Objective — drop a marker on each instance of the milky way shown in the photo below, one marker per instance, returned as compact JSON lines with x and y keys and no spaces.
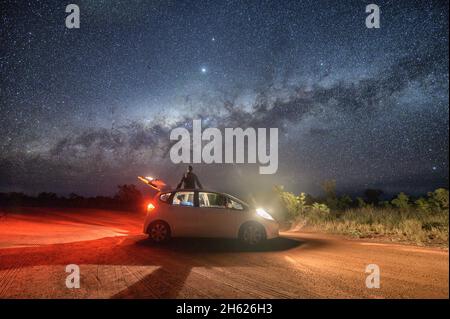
{"x":83,"y":110}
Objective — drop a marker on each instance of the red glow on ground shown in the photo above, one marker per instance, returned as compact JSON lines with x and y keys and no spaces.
{"x":39,"y":226}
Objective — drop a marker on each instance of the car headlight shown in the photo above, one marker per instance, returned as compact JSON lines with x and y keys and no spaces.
{"x":262,"y":213}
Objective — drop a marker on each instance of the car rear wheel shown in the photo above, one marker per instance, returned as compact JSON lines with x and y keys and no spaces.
{"x":252,"y":234}
{"x":159,"y":232}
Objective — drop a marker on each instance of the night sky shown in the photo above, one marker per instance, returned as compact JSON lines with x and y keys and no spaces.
{"x":82,"y":110}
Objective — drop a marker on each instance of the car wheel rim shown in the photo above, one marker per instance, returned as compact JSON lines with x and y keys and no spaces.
{"x":252,"y":235}
{"x":158,"y":232}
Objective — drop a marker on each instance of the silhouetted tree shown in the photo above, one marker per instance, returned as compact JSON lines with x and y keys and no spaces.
{"x":128,"y":194}
{"x":373,"y":196}
{"x":73,"y":196}
{"x":329,"y":187}
{"x":344,"y":202}
{"x":44,"y":196}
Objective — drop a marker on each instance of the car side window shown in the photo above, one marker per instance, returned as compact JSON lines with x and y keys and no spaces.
{"x":183,"y":199}
{"x":214,"y":200}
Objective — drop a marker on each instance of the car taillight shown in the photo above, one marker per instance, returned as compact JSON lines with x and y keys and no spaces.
{"x":150,"y":207}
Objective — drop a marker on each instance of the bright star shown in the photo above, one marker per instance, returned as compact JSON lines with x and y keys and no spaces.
{"x":203,"y":70}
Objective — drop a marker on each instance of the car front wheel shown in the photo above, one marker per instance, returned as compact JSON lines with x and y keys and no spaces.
{"x":252,"y":234}
{"x":159,"y":232}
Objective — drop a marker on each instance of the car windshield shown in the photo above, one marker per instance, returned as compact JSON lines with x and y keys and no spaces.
{"x":237,"y":200}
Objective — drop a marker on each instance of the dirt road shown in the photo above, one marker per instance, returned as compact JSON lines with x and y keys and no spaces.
{"x":117,"y":261}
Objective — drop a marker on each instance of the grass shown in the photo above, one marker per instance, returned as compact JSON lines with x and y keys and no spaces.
{"x":407,"y":225}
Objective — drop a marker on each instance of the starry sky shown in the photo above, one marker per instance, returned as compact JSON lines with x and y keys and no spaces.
{"x":82,"y":110}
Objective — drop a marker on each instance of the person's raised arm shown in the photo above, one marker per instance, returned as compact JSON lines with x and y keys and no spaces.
{"x":198,"y":182}
{"x":181,"y":182}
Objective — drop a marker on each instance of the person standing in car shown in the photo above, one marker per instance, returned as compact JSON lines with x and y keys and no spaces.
{"x":189,"y":179}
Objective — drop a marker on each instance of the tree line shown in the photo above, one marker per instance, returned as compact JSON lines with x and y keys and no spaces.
{"x":127,"y":197}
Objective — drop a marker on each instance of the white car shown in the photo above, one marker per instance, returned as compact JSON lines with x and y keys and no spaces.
{"x":202,"y":213}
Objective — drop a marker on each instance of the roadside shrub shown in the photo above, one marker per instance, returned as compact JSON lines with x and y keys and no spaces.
{"x":344,"y":202}
{"x":423,"y":205}
{"x":385,"y":204}
{"x":360,"y":202}
{"x":412,"y":229}
{"x":425,"y":221}
{"x":401,"y":201}
{"x":320,"y":209}
{"x":289,"y":202}
{"x":439,"y":198}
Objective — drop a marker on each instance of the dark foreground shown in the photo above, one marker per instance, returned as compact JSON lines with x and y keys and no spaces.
{"x":117,"y":261}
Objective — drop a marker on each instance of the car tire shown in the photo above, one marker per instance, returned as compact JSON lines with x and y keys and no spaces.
{"x":252,"y":234}
{"x":159,"y":231}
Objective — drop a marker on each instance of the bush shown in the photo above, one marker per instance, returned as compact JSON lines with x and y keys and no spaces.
{"x":344,"y":202}
{"x":320,"y":209}
{"x":401,"y":201}
{"x":423,"y":205}
{"x":289,"y":202}
{"x":360,"y":202}
{"x":439,"y":198}
{"x":424,"y":222}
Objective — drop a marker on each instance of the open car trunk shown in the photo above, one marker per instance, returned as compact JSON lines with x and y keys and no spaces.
{"x":154,"y":183}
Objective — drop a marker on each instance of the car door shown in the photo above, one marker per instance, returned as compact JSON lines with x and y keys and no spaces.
{"x":217,"y":220}
{"x":184,"y":214}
